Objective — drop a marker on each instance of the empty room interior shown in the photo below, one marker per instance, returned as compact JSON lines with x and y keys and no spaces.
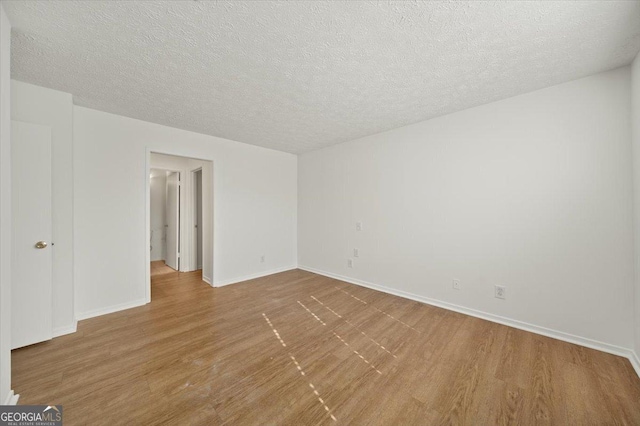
{"x":320,"y":212}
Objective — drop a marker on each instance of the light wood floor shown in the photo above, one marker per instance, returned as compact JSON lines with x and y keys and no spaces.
{"x":198,"y":355}
{"x":158,"y":267}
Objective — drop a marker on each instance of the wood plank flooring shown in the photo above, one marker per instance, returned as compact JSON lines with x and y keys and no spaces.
{"x":296,"y":348}
{"x":158,"y":267}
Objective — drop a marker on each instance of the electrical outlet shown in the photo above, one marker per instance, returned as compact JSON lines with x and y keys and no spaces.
{"x":262,"y":259}
{"x":456,"y":284}
{"x":501,"y":292}
{"x":350,"y":263}
{"x":358,"y":226}
{"x":356,"y":252}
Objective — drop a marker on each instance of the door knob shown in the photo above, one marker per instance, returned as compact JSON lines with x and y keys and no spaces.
{"x":41,"y":244}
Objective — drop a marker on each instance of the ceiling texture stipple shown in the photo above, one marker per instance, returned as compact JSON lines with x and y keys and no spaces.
{"x":296,"y":76}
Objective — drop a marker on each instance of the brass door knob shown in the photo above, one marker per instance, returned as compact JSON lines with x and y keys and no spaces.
{"x":41,"y":244}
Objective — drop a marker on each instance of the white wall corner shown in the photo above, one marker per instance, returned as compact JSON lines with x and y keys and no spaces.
{"x":223,"y":283}
{"x":207,"y":280}
{"x":111,"y":309}
{"x":11,"y":399}
{"x":635,"y":151}
{"x":68,"y":329}
{"x":635,"y":362}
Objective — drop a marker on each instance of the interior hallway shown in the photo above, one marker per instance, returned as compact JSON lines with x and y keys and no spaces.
{"x":201,"y":355}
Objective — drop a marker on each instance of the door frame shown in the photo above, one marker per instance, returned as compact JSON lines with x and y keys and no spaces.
{"x":147,"y":197}
{"x":192,"y":219}
{"x":180,"y":209}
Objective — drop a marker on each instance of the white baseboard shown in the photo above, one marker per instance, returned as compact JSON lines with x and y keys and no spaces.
{"x":11,"y":399}
{"x":207,"y":280}
{"x":61,"y":331}
{"x":111,"y":309}
{"x":555,"y":334}
{"x":253,"y":276}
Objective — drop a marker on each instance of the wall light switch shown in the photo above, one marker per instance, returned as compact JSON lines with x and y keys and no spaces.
{"x":358,"y":226}
{"x":356,"y":252}
{"x":350,"y":263}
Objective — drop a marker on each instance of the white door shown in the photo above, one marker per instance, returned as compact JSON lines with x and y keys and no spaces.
{"x":173,"y":221}
{"x":31,"y":293}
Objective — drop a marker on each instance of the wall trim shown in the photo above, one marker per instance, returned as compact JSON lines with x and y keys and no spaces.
{"x":554,"y":334}
{"x":254,"y":276}
{"x":68,"y":329}
{"x":207,"y":280}
{"x":111,"y":309}
{"x":12,"y":398}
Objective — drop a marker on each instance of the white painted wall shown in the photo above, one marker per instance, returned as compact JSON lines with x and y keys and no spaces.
{"x":533,"y":193}
{"x":254,"y":211}
{"x":635,"y":141}
{"x":158,"y":195}
{"x":35,"y":104}
{"x":5,"y":208}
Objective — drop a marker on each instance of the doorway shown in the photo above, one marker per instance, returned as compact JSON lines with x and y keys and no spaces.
{"x":164,"y":220}
{"x":180,"y":216}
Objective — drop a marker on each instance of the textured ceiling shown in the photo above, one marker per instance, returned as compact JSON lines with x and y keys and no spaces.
{"x":297,"y":76}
